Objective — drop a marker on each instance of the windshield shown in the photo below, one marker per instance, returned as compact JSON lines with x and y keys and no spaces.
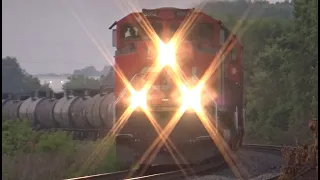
{"x":157,"y":27}
{"x":173,"y":29}
{"x":199,"y":31}
{"x":136,"y":32}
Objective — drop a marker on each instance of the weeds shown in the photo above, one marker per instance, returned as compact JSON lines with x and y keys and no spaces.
{"x":31,"y":155}
{"x":300,"y":157}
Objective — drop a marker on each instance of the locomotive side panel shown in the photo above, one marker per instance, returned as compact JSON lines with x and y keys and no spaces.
{"x":128,"y":65}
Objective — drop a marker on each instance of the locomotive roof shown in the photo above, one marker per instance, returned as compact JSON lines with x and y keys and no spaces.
{"x":168,"y":8}
{"x":174,"y":8}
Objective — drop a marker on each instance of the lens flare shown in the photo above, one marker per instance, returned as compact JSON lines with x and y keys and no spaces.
{"x":138,"y":99}
{"x":191,"y":98}
{"x":167,"y":54}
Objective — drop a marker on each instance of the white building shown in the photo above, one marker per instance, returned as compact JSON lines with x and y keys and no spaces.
{"x":55,"y":82}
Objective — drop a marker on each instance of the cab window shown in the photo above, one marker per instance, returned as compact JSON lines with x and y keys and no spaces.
{"x":205,"y":31}
{"x":136,"y":32}
{"x":201,"y":31}
{"x":173,"y":28}
{"x":130,"y":32}
{"x":158,"y":28}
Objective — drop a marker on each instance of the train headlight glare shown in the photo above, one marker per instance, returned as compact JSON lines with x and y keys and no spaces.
{"x":138,"y":99}
{"x":167,"y":54}
{"x":191,"y":98}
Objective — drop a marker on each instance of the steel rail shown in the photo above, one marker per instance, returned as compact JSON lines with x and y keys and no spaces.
{"x":274,"y":149}
{"x":110,"y":176}
{"x":175,"y":174}
{"x":183,"y":172}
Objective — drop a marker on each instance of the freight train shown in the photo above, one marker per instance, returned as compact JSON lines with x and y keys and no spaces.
{"x":76,"y":111}
{"x":178,"y":80}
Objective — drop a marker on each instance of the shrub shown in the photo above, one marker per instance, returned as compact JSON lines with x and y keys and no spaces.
{"x":59,"y":141}
{"x":16,"y":137}
{"x":28,"y":154}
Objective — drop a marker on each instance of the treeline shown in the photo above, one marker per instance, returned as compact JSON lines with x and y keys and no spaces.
{"x":86,"y":82}
{"x":17,"y":80}
{"x":257,"y":8}
{"x":280,"y":65}
{"x":92,"y":71}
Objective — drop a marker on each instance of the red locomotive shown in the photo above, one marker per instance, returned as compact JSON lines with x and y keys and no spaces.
{"x":209,"y":53}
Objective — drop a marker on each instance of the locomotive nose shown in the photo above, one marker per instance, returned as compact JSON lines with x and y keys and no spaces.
{"x":184,"y":52}
{"x":158,"y":98}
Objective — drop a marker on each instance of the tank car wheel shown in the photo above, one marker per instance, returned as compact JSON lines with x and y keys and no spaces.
{"x":94,"y":136}
{"x":83,"y":136}
{"x":74,"y":135}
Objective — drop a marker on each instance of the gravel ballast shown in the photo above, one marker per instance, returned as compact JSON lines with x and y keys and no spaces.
{"x":251,"y":164}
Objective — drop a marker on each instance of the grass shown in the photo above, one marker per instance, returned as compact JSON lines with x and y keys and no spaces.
{"x":31,"y":155}
{"x":55,"y":165}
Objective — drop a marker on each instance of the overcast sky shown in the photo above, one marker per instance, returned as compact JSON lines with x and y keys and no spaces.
{"x":46,"y":37}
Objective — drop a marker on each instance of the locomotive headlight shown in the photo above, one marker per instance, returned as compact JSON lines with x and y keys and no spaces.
{"x":166,"y":54}
{"x":138,"y":99}
{"x":191,"y":98}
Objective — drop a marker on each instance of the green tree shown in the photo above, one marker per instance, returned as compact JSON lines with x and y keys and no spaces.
{"x":16,"y":80}
{"x":280,"y":65}
{"x":256,"y":10}
{"x":81,"y":82}
{"x":285,"y":97}
{"x":87,"y":71}
{"x":108,"y":79}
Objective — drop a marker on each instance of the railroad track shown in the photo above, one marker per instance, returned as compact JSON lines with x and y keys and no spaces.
{"x":158,"y":173}
{"x":183,"y":173}
{"x":124,"y":174}
{"x":110,"y":176}
{"x":271,"y":149}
